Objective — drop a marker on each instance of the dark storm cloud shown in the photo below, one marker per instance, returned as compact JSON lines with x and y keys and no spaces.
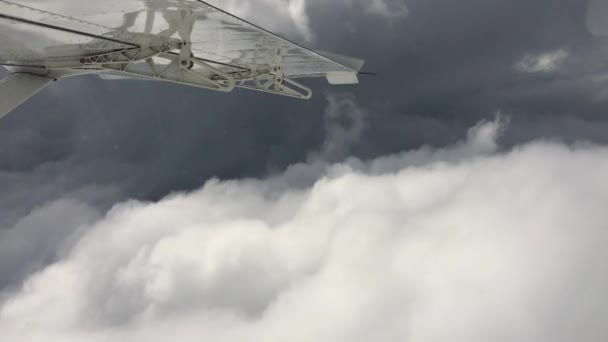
{"x":450,"y":65}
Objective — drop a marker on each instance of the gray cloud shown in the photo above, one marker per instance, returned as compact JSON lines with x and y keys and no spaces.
{"x":345,"y":122}
{"x":40,"y":238}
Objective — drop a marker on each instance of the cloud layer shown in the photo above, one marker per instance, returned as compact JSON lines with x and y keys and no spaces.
{"x":464,"y":243}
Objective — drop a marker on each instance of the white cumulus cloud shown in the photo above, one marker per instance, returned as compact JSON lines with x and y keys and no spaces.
{"x":275,"y":15}
{"x":546,"y":62}
{"x":292,"y":16}
{"x":458,"y":244}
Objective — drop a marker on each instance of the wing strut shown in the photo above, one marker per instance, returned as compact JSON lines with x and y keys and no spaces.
{"x":18,"y":87}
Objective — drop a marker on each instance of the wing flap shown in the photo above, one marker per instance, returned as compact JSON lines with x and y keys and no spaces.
{"x":342,"y":77}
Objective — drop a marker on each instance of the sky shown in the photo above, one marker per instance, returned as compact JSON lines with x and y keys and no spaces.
{"x":458,"y":194}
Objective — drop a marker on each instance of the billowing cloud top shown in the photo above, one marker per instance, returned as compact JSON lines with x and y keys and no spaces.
{"x":486,"y":245}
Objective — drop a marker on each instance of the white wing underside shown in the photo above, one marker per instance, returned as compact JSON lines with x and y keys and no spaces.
{"x":41,"y":32}
{"x":185,"y":41}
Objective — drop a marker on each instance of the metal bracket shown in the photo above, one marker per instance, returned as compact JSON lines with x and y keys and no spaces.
{"x":161,"y":64}
{"x":277,"y":85}
{"x":274,"y":82}
{"x":127,"y":56}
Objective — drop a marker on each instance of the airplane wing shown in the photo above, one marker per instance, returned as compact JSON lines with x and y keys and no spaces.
{"x":185,"y":41}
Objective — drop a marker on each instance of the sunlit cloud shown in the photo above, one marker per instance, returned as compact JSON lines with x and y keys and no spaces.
{"x":546,"y":62}
{"x":291,"y":16}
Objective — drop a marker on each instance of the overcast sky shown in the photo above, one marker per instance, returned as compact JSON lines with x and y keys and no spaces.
{"x":457,"y":195}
